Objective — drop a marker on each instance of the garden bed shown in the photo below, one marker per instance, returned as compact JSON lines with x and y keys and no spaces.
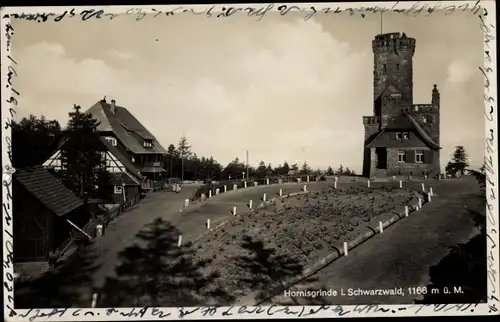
{"x":253,"y":249}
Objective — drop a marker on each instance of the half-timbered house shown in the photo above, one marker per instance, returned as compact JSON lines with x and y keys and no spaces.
{"x":124,"y":132}
{"x":125,"y":177}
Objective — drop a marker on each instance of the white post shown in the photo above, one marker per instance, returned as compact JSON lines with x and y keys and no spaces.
{"x":346,"y":250}
{"x":267,"y":180}
{"x":203,"y":197}
{"x":400,"y":184}
{"x":186,"y":203}
{"x":255,"y":183}
{"x":423,"y":187}
{"x":429,"y":197}
{"x":335,"y":184}
{"x":393,"y":177}
{"x":281,"y":192}
{"x":179,"y":242}
{"x":307,"y":178}
{"x":419,"y":203}
{"x":336,"y":178}
{"x":124,"y":194}
{"x":99,"y":230}
{"x":305,"y":187}
{"x":245,"y":184}
{"x":425,"y":177}
{"x":208,"y":223}
{"x":94,"y":300}
{"x":250,"y":204}
{"x":406,"y":211}
{"x":235,"y":186}
{"x":432,"y":192}
{"x":217,"y":191}
{"x":225,"y":188}
{"x":210,"y":194}
{"x":368,"y":183}
{"x":381,"y":227}
{"x":264,"y":198}
{"x":234,"y":210}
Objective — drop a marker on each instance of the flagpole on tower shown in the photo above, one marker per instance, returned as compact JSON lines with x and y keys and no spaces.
{"x":381,"y":18}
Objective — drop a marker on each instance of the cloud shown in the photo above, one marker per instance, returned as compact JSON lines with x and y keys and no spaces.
{"x":121,"y":55}
{"x":273,"y":90}
{"x":459,"y":72}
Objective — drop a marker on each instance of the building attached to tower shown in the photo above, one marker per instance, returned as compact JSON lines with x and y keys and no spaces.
{"x":401,"y":138}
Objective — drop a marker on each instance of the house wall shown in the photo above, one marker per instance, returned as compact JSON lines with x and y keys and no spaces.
{"x":130,"y":192}
{"x":411,"y":167}
{"x":119,"y":146}
{"x":31,"y":243}
{"x":389,"y":140}
{"x":366,"y":162}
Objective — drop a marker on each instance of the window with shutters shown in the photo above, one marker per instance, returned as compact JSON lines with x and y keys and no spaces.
{"x":419,"y":156}
{"x":401,"y":156}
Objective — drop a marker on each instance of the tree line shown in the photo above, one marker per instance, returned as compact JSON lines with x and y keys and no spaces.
{"x":35,"y":139}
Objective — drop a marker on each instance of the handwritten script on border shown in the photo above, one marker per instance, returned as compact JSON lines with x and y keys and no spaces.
{"x":12,"y":95}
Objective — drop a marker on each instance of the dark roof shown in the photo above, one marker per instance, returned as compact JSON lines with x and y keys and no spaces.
{"x":401,"y":122}
{"x":405,"y":121}
{"x":48,"y":189}
{"x":123,"y":178}
{"x":121,"y":123}
{"x":122,"y":158}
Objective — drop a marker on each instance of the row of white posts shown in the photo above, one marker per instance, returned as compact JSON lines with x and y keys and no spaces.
{"x":381,"y":225}
{"x":235,"y":187}
{"x":430,"y":194}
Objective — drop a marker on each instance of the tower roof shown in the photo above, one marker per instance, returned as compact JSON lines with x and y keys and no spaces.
{"x":405,"y":122}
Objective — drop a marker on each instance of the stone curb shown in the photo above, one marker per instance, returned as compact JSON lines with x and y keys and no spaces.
{"x":250,"y":299}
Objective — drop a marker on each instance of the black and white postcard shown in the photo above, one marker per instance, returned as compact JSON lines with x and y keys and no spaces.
{"x":250,"y":161}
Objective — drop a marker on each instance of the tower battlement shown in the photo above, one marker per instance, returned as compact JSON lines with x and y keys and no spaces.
{"x":371,"y":120}
{"x":394,"y":41}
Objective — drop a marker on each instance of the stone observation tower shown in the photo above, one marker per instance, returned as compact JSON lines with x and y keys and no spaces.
{"x":401,"y":138}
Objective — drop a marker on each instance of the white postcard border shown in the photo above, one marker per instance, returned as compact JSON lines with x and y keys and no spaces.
{"x":11,"y":95}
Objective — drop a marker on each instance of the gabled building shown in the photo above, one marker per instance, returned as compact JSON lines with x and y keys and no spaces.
{"x":401,"y":138}
{"x":124,"y":132}
{"x":125,"y":177}
{"x":45,"y":213}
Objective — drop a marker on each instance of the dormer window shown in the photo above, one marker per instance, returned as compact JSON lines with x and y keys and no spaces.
{"x":111,"y":140}
{"x":402,"y":135}
{"x":148,"y":143}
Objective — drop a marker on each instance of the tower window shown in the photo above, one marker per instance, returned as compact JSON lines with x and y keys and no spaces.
{"x":397,"y":67}
{"x":385,"y":68}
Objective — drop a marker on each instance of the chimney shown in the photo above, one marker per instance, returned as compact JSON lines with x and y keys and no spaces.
{"x":112,"y":107}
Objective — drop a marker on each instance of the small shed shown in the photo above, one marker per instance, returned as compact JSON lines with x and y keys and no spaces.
{"x":44,"y":214}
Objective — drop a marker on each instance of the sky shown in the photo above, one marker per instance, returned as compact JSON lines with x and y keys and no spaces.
{"x":281,"y":88}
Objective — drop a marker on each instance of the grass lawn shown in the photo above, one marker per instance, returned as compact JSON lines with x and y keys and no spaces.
{"x":256,"y":248}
